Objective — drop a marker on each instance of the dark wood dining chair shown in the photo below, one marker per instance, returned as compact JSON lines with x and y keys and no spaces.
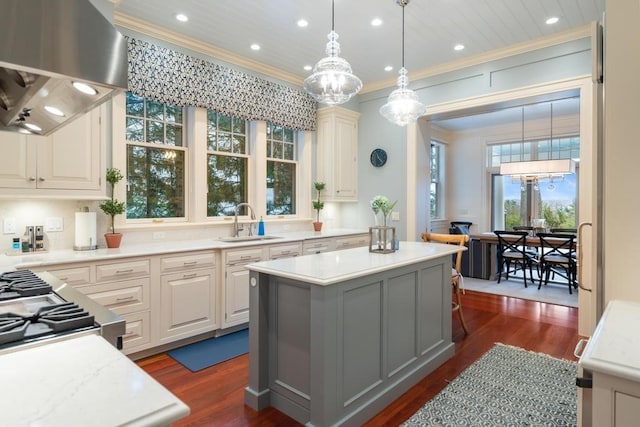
{"x":558,"y":256}
{"x":512,"y":250}
{"x":452,"y":239}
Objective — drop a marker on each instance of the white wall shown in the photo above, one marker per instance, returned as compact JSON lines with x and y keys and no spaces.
{"x":621,"y":204}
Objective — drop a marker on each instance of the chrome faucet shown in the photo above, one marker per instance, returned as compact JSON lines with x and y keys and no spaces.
{"x":237,"y":229}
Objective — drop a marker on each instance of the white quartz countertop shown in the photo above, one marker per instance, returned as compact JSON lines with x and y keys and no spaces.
{"x":334,"y":267}
{"x":614,"y":347}
{"x":82,"y":381}
{"x":37,"y":259}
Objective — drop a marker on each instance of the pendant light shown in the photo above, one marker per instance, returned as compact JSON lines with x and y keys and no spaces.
{"x":332,"y":81}
{"x":536,"y":170}
{"x":403,"y":106}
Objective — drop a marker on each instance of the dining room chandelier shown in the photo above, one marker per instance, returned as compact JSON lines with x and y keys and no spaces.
{"x":534,"y":171}
{"x":332,"y":81}
{"x":402,"y":106}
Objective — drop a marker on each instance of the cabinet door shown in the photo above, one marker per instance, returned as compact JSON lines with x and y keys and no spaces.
{"x":346,"y":150}
{"x":187,"y":302}
{"x":236,"y":301}
{"x":70,"y":158}
{"x":17,"y":163}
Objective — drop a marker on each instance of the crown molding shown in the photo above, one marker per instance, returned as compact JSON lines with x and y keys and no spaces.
{"x":172,"y":37}
{"x":516,"y":49}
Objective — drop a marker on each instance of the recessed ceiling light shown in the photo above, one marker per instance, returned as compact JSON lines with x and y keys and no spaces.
{"x":84,"y":88}
{"x":182,"y":17}
{"x":458,"y":47}
{"x":388,"y":68}
{"x":53,"y":110}
{"x":33,"y":127}
{"x":552,"y":20}
{"x":255,"y":46}
{"x":308,"y":67}
{"x":302,"y":23}
{"x":376,"y":22}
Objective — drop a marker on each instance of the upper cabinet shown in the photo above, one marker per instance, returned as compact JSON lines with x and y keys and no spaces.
{"x":337,"y":154}
{"x":66,"y":164}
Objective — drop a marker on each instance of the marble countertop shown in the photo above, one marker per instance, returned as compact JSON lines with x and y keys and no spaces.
{"x":614,"y":347}
{"x":38,"y":259}
{"x":335,"y":267}
{"x":83,"y":381}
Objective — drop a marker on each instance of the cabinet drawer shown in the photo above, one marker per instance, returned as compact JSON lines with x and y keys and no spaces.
{"x":189,"y":261}
{"x":122,"y":270}
{"x":123,"y":297}
{"x":352,"y":242}
{"x":137,"y":333}
{"x":317,"y":246}
{"x":283,"y":251}
{"x":243,"y":256}
{"x":76,"y":276}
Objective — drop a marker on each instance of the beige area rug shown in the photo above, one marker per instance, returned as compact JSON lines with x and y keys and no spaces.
{"x":552,"y":293}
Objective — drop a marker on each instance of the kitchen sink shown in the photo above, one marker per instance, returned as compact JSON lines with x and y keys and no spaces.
{"x":247,"y":238}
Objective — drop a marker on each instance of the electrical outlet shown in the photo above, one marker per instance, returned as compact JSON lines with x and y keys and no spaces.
{"x":157,"y":235}
{"x":395,"y":216}
{"x":53,"y":224}
{"x":9,"y":226}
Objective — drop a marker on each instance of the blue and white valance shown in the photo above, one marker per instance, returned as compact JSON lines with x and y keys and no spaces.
{"x":175,"y":78}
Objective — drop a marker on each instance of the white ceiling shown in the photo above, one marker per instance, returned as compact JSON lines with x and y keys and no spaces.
{"x":432,"y":28}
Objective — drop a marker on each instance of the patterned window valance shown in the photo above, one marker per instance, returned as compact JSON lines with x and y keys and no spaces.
{"x":176,"y":78}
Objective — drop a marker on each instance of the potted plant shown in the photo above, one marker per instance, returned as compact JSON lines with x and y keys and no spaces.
{"x":112,"y":208}
{"x":318,"y":205}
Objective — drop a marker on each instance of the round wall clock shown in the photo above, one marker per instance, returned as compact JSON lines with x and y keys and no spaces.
{"x":378,"y":157}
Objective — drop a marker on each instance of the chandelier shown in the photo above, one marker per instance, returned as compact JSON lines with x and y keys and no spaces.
{"x":535,"y":171}
{"x":332,"y":81}
{"x":402,"y":106}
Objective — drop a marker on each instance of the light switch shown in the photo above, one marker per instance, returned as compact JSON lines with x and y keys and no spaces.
{"x":9,"y":226}
{"x":395,"y":216}
{"x":53,"y":224}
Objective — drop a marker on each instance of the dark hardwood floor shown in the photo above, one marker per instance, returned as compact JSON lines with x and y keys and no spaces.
{"x":216,"y":394}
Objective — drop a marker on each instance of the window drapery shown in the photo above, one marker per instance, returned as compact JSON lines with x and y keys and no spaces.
{"x":172,"y":77}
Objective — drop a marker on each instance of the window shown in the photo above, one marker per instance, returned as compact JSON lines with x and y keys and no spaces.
{"x":227,"y":160}
{"x":155,"y":159}
{"x":520,"y":203}
{"x":436,"y":191}
{"x":282,"y":166}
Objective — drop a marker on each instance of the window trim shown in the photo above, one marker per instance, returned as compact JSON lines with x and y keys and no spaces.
{"x":441,"y":182}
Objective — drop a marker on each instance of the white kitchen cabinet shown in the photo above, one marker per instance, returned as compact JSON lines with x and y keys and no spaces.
{"x":610,"y":359}
{"x":337,"y":153}
{"x":236,"y":284}
{"x":316,"y":246}
{"x":187,"y":296}
{"x":287,"y":250}
{"x":356,"y":241}
{"x":68,"y":163}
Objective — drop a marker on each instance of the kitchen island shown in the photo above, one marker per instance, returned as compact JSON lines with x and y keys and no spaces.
{"x":337,"y":336}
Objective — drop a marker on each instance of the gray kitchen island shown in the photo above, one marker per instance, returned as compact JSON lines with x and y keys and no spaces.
{"x":337,"y":336}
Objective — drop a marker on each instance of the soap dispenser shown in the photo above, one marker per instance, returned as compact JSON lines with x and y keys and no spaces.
{"x":261,"y":227}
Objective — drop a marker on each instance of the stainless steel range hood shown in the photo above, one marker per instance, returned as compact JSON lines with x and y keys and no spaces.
{"x":47,"y":46}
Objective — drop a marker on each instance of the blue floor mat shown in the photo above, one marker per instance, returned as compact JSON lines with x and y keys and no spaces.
{"x":209,"y":352}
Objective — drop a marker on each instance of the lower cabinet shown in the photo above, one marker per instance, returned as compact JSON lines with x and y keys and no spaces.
{"x":188,"y":295}
{"x":235,"y":292}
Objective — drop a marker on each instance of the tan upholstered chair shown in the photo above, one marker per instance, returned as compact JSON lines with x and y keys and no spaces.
{"x":452,"y":239}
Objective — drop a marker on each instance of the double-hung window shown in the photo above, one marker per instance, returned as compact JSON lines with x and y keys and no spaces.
{"x":155,"y":159}
{"x":227,"y":160}
{"x":282,"y":167}
{"x":436,"y":191}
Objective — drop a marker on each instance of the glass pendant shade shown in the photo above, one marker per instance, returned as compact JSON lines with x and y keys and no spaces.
{"x":402,"y":106}
{"x":332,"y":81}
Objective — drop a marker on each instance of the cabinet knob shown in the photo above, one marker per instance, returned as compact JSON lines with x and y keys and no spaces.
{"x":41,"y":179}
{"x":32,"y":178}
